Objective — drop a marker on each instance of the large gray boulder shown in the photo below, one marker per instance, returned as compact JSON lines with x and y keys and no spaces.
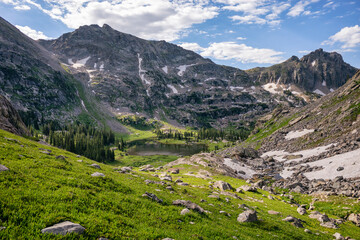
{"x":94,"y":165}
{"x":222,"y":185}
{"x":294,"y":221}
{"x":355,"y":218}
{"x":189,"y":205}
{"x":247,"y":216}
{"x":64,"y":228}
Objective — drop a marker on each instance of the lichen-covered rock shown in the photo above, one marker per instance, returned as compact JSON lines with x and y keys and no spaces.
{"x":64,"y":228}
{"x":189,"y":205}
{"x":247,"y":216}
{"x":222,"y":185}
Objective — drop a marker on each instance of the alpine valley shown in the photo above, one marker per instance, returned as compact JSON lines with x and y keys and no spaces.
{"x":104,"y":135}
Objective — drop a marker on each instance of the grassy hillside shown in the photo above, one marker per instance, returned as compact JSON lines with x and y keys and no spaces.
{"x":40,"y":190}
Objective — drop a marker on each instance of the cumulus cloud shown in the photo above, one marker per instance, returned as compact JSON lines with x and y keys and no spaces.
{"x":155,"y":19}
{"x":299,"y":8}
{"x":32,"y":33}
{"x":348,"y":37}
{"x":255,"y":11}
{"x":192,"y":46}
{"x":22,"y":7}
{"x":238,"y":52}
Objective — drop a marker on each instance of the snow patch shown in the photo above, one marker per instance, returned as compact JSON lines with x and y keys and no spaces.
{"x":232,"y":88}
{"x":102,"y":67}
{"x":323,"y":83}
{"x":182,"y":69}
{"x":350,"y":161}
{"x":82,"y":103}
{"x":253,"y":87}
{"x":70,"y":61}
{"x":142,"y":71}
{"x":80,"y":63}
{"x":319,"y":92}
{"x":313,"y":63}
{"x":239,"y":167}
{"x":147,"y":92}
{"x":173,"y":88}
{"x":297,"y":134}
{"x":208,"y":79}
{"x":165,"y":69}
{"x":270,"y":87}
{"x":281,"y":154}
{"x":331,"y":90}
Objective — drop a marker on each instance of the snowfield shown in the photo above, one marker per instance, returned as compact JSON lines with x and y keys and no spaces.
{"x":239,"y":167}
{"x":297,"y":134}
{"x":182,"y":69}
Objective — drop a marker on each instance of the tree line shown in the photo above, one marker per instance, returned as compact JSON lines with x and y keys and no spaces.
{"x":84,"y":140}
{"x":231,"y":135}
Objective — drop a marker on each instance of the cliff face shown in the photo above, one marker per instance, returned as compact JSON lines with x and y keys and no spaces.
{"x":317,"y":70}
{"x":32,"y":78}
{"x":10,"y":119}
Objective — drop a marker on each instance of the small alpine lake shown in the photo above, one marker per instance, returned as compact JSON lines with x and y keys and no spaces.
{"x":149,"y":148}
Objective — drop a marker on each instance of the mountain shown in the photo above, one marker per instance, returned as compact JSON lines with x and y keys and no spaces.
{"x":315,"y":148}
{"x":32,"y":78}
{"x":10,"y":119}
{"x":164,"y":81}
{"x":320,"y":72}
{"x":94,"y":74}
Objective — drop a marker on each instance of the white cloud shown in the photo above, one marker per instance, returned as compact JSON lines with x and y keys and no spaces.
{"x":255,"y":11}
{"x":304,"y":51}
{"x":238,"y":52}
{"x":241,"y":38}
{"x":299,"y":8}
{"x":22,"y":7}
{"x":155,"y":19}
{"x":348,"y":37}
{"x":192,"y":46}
{"x":32,"y":33}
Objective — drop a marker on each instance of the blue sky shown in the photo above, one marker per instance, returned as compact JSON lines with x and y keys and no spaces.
{"x":239,"y":33}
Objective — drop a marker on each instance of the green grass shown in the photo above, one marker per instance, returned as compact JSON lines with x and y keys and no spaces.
{"x":40,"y":190}
{"x":136,"y":161}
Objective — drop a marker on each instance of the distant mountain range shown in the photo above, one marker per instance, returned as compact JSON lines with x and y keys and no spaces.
{"x":96,"y":73}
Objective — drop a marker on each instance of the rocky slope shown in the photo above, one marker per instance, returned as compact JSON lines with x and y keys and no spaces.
{"x":32,"y":78}
{"x":10,"y":119}
{"x":314,"y":149}
{"x":164,"y":81}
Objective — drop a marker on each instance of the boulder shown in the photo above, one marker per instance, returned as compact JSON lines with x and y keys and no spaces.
{"x":152,"y":197}
{"x":329,"y":225}
{"x":247,"y":216}
{"x":94,"y":165}
{"x":247,"y":188}
{"x":338,"y":236}
{"x":97,"y":174}
{"x":222,"y":185}
{"x":147,"y":168}
{"x":320,"y":217}
{"x":355,"y":218}
{"x":174,"y":171}
{"x":185,"y":211}
{"x":64,"y":228}
{"x":301,"y":210}
{"x":166,"y":177}
{"x":189,"y":205}
{"x":3,"y":168}
{"x":294,"y":221}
